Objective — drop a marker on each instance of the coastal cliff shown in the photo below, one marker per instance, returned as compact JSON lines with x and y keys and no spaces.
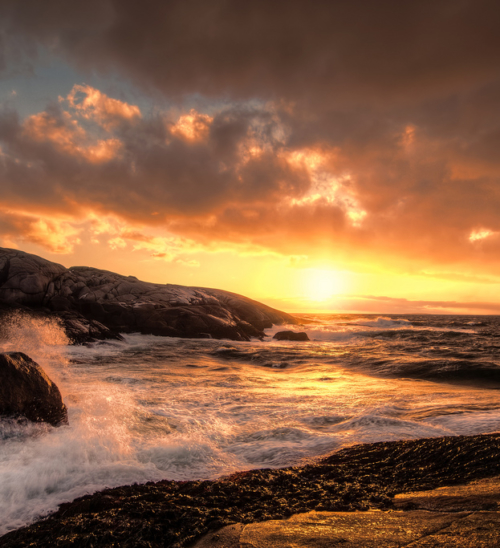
{"x":97,"y":304}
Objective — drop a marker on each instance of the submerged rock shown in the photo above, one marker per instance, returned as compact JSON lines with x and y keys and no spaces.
{"x":25,"y":389}
{"x":113,"y":303}
{"x":291,"y":336}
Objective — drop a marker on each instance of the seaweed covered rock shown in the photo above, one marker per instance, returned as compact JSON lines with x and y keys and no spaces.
{"x":25,"y":389}
{"x":291,"y":336}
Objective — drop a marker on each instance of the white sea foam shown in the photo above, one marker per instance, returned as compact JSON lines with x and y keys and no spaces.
{"x":383,"y":322}
{"x":43,"y":339}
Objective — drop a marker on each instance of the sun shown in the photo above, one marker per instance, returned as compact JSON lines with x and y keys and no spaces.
{"x":321,"y":284}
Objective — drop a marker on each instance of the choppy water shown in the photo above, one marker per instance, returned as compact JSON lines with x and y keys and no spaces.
{"x":151,"y":407}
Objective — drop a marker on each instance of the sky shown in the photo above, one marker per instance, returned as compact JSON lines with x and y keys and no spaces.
{"x":335,"y":156}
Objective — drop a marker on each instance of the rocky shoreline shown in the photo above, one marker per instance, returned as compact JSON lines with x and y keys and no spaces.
{"x":175,"y":514}
{"x":94,"y":304}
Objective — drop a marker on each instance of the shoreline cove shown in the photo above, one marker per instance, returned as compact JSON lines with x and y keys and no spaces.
{"x":175,"y":514}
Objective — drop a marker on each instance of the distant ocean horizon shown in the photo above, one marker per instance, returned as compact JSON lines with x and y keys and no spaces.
{"x":149,"y":408}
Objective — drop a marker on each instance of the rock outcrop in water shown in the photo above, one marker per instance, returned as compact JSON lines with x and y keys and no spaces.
{"x":291,"y":336}
{"x":96,"y":303}
{"x":26,"y":390}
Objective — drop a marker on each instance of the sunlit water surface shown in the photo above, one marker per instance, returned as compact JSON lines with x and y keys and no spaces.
{"x":151,"y":408}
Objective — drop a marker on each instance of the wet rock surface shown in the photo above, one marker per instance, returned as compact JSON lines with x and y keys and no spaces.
{"x":97,"y":304}
{"x":478,"y":495}
{"x":362,"y":478}
{"x":459,"y":515}
{"x":291,"y":336}
{"x":26,"y":390}
{"x":370,"y":529}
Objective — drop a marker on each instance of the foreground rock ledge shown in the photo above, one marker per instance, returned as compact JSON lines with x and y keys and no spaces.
{"x":26,"y":390}
{"x":94,"y":303}
{"x":371,"y":529}
{"x":361,"y":480}
{"x":463,"y":515}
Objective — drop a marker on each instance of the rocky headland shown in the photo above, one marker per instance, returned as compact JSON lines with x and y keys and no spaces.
{"x":97,"y":304}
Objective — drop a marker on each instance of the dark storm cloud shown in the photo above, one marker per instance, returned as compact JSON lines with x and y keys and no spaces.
{"x":292,"y":49}
{"x":400,"y":99}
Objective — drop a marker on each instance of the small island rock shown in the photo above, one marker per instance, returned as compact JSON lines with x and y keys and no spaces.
{"x":25,"y":389}
{"x":291,"y":336}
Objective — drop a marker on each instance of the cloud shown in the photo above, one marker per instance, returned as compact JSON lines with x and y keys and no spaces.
{"x":54,"y":235}
{"x":141,"y":170}
{"x":362,"y":131}
{"x":321,"y":52}
{"x":97,"y":106}
{"x":480,"y":234}
{"x":193,"y":126}
{"x":239,"y":178}
{"x":428,"y":306}
{"x":64,"y":133}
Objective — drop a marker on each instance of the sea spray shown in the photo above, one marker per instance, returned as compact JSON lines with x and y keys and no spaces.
{"x":42,"y":338}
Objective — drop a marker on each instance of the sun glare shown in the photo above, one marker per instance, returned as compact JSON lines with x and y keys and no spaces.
{"x":320,"y":285}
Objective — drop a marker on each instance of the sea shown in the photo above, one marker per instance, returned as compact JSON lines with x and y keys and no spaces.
{"x":149,"y":408}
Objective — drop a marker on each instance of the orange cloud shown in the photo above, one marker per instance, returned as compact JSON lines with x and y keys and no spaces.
{"x":367,"y":133}
{"x":63,"y":132}
{"x":118,"y":234}
{"x":103,"y":151}
{"x":480,"y":234}
{"x":70,"y":138}
{"x":193,"y":126}
{"x":379,"y":189}
{"x":57,"y":235}
{"x":92,"y":104}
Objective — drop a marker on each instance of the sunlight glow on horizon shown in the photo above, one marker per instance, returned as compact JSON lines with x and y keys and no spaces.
{"x":320,"y":284}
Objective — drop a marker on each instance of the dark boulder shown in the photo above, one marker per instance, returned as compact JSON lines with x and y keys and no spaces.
{"x":291,"y":336}
{"x":25,"y":389}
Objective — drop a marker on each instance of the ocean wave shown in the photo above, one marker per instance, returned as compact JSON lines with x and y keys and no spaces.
{"x":343,"y":331}
{"x":474,"y":373}
{"x":381,"y":322}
